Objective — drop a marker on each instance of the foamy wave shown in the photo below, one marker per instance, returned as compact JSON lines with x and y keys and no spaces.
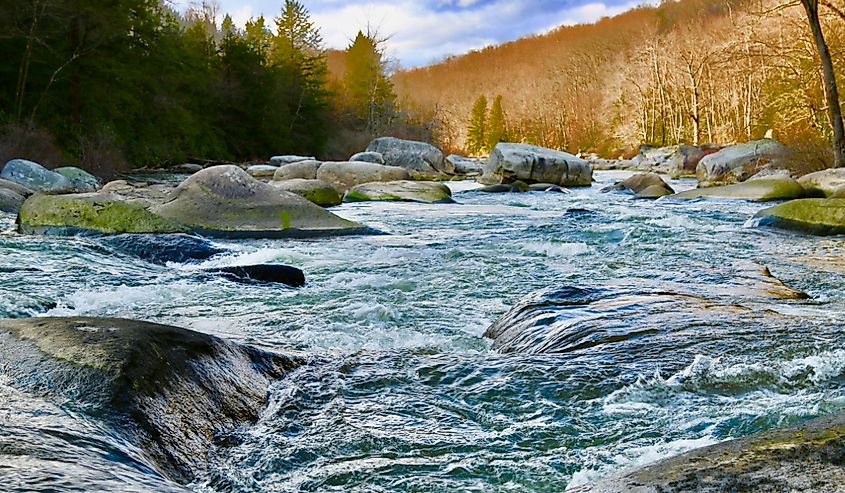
{"x":260,"y":256}
{"x":550,"y":249}
{"x":119,"y":299}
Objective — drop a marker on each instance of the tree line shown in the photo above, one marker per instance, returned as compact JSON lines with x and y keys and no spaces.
{"x":105,"y":83}
{"x":692,"y":71}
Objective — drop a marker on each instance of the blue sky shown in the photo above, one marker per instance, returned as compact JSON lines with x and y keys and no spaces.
{"x":422,"y":31}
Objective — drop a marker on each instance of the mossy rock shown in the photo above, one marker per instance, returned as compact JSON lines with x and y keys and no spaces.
{"x":317,"y":191}
{"x":81,"y":180}
{"x":815,"y":216}
{"x":759,"y":190}
{"x":401,"y":191}
{"x":94,"y":212}
{"x":823,"y":183}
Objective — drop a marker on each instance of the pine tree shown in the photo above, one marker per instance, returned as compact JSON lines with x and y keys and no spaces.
{"x":497,"y":125}
{"x":477,"y":133}
{"x":369,"y":91}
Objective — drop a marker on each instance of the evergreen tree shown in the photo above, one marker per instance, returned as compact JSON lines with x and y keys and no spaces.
{"x":496,"y":125}
{"x":369,"y":91}
{"x":477,"y":132}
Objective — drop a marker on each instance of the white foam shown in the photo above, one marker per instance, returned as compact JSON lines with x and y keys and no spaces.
{"x":552,"y":249}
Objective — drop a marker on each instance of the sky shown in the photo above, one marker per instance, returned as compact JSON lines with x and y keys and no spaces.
{"x":421,"y":32}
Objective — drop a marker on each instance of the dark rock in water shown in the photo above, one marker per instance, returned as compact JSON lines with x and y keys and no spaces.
{"x":284,"y":274}
{"x":166,"y":390}
{"x":807,"y":458}
{"x":515,"y":187}
{"x":160,"y":249}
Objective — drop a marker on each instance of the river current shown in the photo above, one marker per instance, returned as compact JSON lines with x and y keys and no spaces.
{"x":402,"y":392}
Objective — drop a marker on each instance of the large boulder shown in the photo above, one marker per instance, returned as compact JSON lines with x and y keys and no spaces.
{"x":163,"y":390}
{"x":287,"y":159}
{"x":532,"y":164}
{"x":317,"y":191}
{"x":346,"y":174}
{"x":97,"y":212}
{"x":401,"y":191}
{"x":303,"y":170}
{"x":368,"y":157}
{"x":643,"y":186}
{"x":81,"y":180}
{"x":760,"y":189}
{"x":262,"y":170}
{"x":685,"y":159}
{"x":35,"y":177}
{"x":419,"y":158}
{"x":10,"y":201}
{"x":814,"y":216}
{"x":805,"y":458}
{"x":224,"y":201}
{"x":739,"y":162}
{"x":823,"y":183}
{"x":465,"y":165}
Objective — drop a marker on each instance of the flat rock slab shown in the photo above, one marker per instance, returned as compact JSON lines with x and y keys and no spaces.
{"x":758,"y":190}
{"x":401,"y":191}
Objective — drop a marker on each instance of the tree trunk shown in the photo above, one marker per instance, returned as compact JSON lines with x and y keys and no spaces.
{"x":831,"y":91}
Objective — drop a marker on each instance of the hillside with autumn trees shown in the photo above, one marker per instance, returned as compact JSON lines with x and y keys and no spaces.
{"x":692,"y":71}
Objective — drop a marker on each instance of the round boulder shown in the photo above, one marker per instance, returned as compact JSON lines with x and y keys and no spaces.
{"x":739,"y":162}
{"x":419,"y":158}
{"x":317,"y":191}
{"x":532,"y":164}
{"x":262,"y":170}
{"x":823,"y":183}
{"x":81,"y":180}
{"x":346,"y":174}
{"x":643,"y":186}
{"x":304,"y":170}
{"x":10,"y":201}
{"x":401,"y":191}
{"x":35,"y":177}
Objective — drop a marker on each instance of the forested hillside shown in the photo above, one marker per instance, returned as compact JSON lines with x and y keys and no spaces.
{"x":691,"y":71}
{"x":118,"y":83}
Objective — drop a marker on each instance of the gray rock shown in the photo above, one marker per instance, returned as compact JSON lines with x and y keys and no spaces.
{"x":287,"y":159}
{"x":515,"y":187}
{"x":10,"y":201}
{"x":81,"y":180}
{"x":464,"y":165}
{"x":368,"y":157}
{"x":823,"y":183}
{"x":346,"y":174}
{"x":304,"y":170}
{"x":317,"y":191}
{"x":164,"y":390}
{"x":801,"y":459}
{"x":644,"y":186}
{"x":17,"y":188}
{"x":532,"y":164}
{"x":401,"y":191}
{"x":739,"y":162}
{"x":547,"y":187}
{"x":419,"y":158}
{"x":224,"y":201}
{"x":186,"y":168}
{"x":771,"y":187}
{"x":35,"y":177}
{"x":262,"y":170}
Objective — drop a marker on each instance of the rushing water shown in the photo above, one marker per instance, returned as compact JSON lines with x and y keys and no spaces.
{"x":403,"y":393}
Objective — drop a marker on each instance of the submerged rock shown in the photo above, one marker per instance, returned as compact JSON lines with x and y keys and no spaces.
{"x":401,"y":191}
{"x":224,"y":201}
{"x":419,"y":158}
{"x":814,"y":216}
{"x":35,"y":177}
{"x":165,"y":390}
{"x":81,"y":180}
{"x":90,"y":212}
{"x":368,"y":157}
{"x":515,"y":187}
{"x":532,"y":164}
{"x":283,"y":274}
{"x":739,"y":162}
{"x":305,"y":170}
{"x":164,"y":248}
{"x":773,"y":187}
{"x":643,"y":185}
{"x":823,"y":183}
{"x":317,"y":191}
{"x":806,"y":458}
{"x":345,"y":175}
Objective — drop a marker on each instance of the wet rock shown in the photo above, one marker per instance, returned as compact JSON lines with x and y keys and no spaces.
{"x":368,"y":157}
{"x":186,"y":168}
{"x":419,"y":158}
{"x":814,"y":216}
{"x":317,"y":191}
{"x":10,"y":201}
{"x":773,"y":187}
{"x":643,"y":185}
{"x":81,"y":181}
{"x":823,"y":183}
{"x":515,"y":187}
{"x":464,"y":165}
{"x":304,"y":170}
{"x":160,"y":249}
{"x":90,"y":212}
{"x":164,"y":390}
{"x":262,"y":170}
{"x":35,"y":177}
{"x":283,"y":274}
{"x":546,"y":187}
{"x":806,"y":458}
{"x":224,"y":201}
{"x":288,"y":159}
{"x":401,"y":191}
{"x":739,"y":162}
{"x":345,"y":175}
{"x":532,"y":164}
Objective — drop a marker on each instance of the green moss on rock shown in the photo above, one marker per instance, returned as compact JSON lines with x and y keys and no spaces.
{"x":816,"y":216}
{"x":760,"y":190}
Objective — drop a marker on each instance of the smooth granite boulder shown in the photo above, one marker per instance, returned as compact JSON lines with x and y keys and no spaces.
{"x":419,"y":158}
{"x":643,"y":186}
{"x":287,"y":159}
{"x":814,"y":216}
{"x":401,"y":191}
{"x":303,"y":170}
{"x":346,"y":174}
{"x":262,"y":170}
{"x":823,"y":183}
{"x":35,"y":177}
{"x":739,"y":162}
{"x":10,"y":201}
{"x":532,"y":164}
{"x":317,"y":191}
{"x":81,"y":180}
{"x":775,"y":187}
